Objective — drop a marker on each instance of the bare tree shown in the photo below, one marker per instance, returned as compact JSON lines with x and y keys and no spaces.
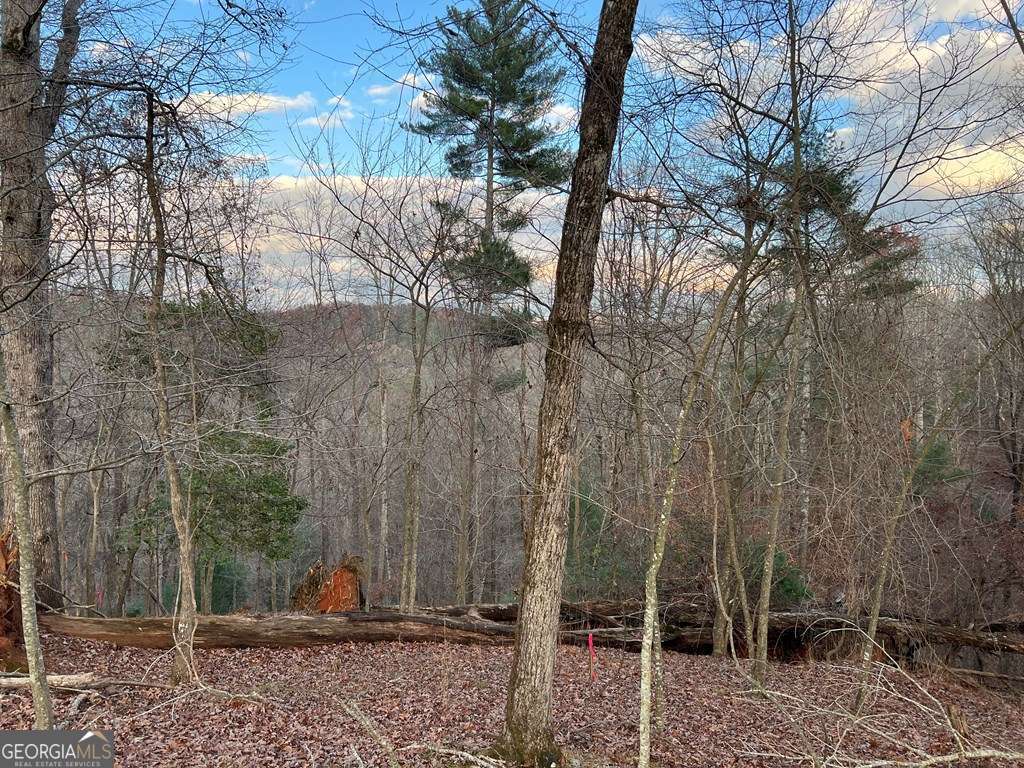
{"x":528,"y":734}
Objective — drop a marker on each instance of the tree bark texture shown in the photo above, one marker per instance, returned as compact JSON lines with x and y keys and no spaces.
{"x":30,"y":104}
{"x":528,"y":735}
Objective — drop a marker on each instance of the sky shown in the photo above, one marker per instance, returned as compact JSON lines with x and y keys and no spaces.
{"x":343,"y":70}
{"x":342,"y":67}
{"x":330,"y":82}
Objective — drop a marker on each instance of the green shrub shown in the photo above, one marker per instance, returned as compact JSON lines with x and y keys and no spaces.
{"x":935,"y":466}
{"x":789,"y":583}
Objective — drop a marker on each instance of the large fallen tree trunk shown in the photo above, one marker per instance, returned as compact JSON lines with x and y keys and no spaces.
{"x":907,"y":630}
{"x":284,"y":631}
{"x":684,"y":627}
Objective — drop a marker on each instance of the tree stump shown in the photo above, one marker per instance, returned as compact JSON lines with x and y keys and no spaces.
{"x":12,"y":642}
{"x":334,"y":592}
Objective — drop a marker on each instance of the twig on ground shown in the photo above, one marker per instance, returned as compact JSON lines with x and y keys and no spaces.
{"x":483,"y":762}
{"x":368,"y":725}
{"x":956,"y":757}
{"x":80,"y":682}
{"x":76,"y":706}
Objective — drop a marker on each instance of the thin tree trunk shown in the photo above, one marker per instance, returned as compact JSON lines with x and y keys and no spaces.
{"x":206,"y":593}
{"x":803,"y":437}
{"x":155,"y":597}
{"x":110,"y":566}
{"x":383,"y":565}
{"x":59,"y":534}
{"x":877,"y":592}
{"x":779,"y":484}
{"x":92,"y":548}
{"x":650,"y":634}
{"x":524,"y":432}
{"x":184,"y":669}
{"x":142,"y":499}
{"x":722,"y":583}
{"x":736,"y":562}
{"x":273,"y":586}
{"x":366,"y":532}
{"x":528,"y":736}
{"x":782,"y":452}
{"x":126,"y":577}
{"x":384,"y":534}
{"x":414,"y":441}
{"x":463,"y":546}
{"x":287,"y":582}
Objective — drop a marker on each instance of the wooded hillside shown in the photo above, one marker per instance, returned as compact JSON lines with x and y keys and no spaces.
{"x":695,"y":327}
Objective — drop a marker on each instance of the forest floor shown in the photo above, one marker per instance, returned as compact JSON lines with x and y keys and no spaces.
{"x":388,"y":704}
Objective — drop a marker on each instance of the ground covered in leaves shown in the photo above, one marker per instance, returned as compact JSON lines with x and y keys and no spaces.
{"x":390,"y":704}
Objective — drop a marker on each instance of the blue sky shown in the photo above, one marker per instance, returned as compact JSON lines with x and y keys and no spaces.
{"x":343,"y":67}
{"x":329,"y":82}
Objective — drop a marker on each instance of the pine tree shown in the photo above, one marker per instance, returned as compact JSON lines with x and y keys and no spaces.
{"x":495,"y":83}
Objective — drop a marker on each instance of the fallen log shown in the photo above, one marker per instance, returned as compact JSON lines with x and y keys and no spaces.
{"x":816,"y":624}
{"x":77,"y":682}
{"x":683,"y":628}
{"x":285,"y":631}
{"x":601,"y":613}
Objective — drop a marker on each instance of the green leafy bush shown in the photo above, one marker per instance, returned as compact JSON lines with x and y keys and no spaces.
{"x":789,"y":583}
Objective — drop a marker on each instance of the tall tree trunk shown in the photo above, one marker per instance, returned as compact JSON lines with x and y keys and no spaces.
{"x":723,"y":583}
{"x":126,"y":577}
{"x":184,"y":669}
{"x":382,"y":559}
{"x":528,"y":735}
{"x":383,"y":563}
{"x":287,"y":583}
{"x":524,"y":430}
{"x":803,"y":436}
{"x":779,"y":484}
{"x":650,"y":634}
{"x":800,"y":278}
{"x":92,"y":547}
{"x":110,"y":570}
{"x":366,"y":536}
{"x":414,"y":441}
{"x":206,"y":592}
{"x":891,"y":527}
{"x":141,"y":500}
{"x":63,"y":497}
{"x":32,"y":100}
{"x":464,"y":548}
{"x":26,"y":556}
{"x":273,"y":586}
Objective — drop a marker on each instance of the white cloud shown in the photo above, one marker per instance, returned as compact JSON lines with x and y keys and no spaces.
{"x":419,"y":102}
{"x":238,"y":105}
{"x":972,"y":169}
{"x":410,"y":80}
{"x":561,"y":117}
{"x":340,"y":112}
{"x":918,"y":92}
{"x":379,"y":91}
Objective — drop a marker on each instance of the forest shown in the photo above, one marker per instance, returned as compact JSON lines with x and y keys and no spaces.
{"x":504,"y":383}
